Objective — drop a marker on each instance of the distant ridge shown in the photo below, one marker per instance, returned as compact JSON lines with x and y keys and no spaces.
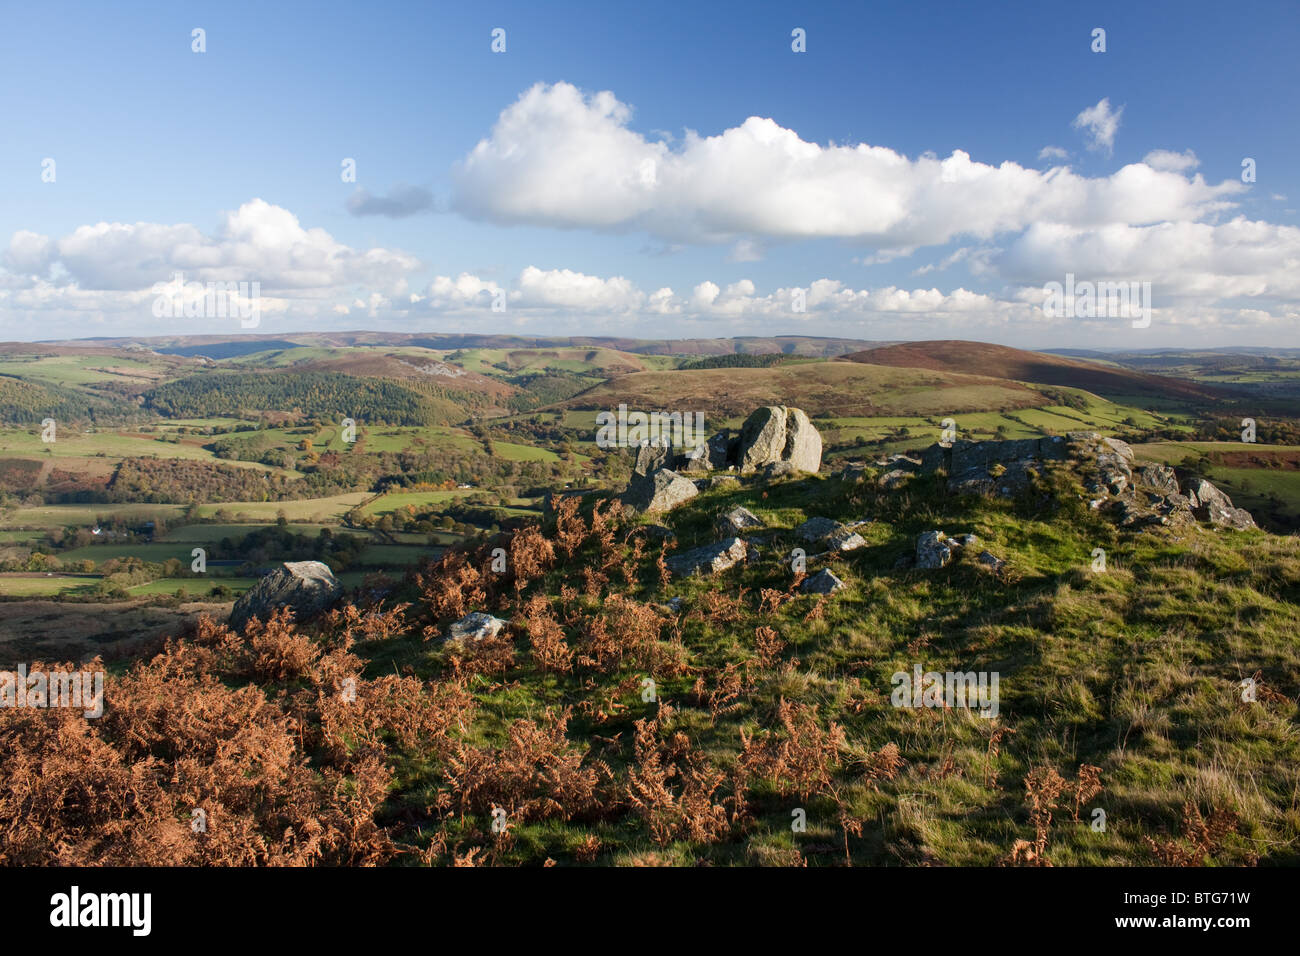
{"x":1038,"y":368}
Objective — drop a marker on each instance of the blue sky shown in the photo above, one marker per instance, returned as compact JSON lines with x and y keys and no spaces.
{"x":594,"y":214}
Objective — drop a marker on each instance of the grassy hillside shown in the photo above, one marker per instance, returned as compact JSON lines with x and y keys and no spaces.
{"x":1119,"y":691}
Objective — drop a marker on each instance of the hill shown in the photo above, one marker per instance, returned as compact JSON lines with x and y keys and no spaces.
{"x":1040,"y":368}
{"x":820,"y":388}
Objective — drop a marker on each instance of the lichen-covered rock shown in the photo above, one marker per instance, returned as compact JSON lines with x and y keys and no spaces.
{"x":1159,"y":479}
{"x":661,"y":490}
{"x":708,"y":559}
{"x":308,"y":587}
{"x":475,"y":626}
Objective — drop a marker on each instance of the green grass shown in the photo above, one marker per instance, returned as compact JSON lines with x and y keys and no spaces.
{"x":42,"y":586}
{"x":197,"y":587}
{"x":419,"y":500}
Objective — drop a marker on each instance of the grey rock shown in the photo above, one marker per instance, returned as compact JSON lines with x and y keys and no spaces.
{"x":1214,"y":506}
{"x":991,"y":561}
{"x":823,"y":582}
{"x":709,"y":559}
{"x":934,"y":550}
{"x":651,"y":457}
{"x":308,"y":587}
{"x":845,"y":539}
{"x":780,"y":469}
{"x":815,"y":529}
{"x":1158,"y":478}
{"x":658,"y":491}
{"x":777,"y":433}
{"x":475,"y":626}
{"x":738,"y":520}
{"x":893,"y":480}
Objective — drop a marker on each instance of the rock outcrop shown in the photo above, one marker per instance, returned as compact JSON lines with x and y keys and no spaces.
{"x":308,"y":587}
{"x":1136,"y":495}
{"x":775,"y":441}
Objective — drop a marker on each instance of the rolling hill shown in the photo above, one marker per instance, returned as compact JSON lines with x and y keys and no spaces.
{"x":820,"y":388}
{"x":1000,"y":361}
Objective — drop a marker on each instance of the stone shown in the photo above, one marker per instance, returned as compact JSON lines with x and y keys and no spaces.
{"x":893,"y":480}
{"x":709,"y":559}
{"x":651,"y":457}
{"x":738,"y":520}
{"x":845,"y":539}
{"x":1158,"y":478}
{"x":803,"y":442}
{"x":934,"y":550}
{"x":658,"y":491}
{"x":1212,"y":505}
{"x":308,"y":587}
{"x":991,"y":561}
{"x":475,"y":626}
{"x":823,"y":582}
{"x":815,"y":529}
{"x":1121,"y":448}
{"x":776,"y":433}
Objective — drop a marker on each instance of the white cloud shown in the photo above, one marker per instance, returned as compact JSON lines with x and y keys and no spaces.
{"x":1170,"y":161}
{"x":1100,"y":124}
{"x":567,"y":289}
{"x":558,"y":158}
{"x":1183,"y":260}
{"x":1053,"y":152}
{"x":745,"y":250}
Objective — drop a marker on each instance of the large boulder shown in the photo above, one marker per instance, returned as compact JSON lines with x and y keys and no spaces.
{"x":661,"y":490}
{"x":308,"y":587}
{"x":776,"y":433}
{"x":709,"y":559}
